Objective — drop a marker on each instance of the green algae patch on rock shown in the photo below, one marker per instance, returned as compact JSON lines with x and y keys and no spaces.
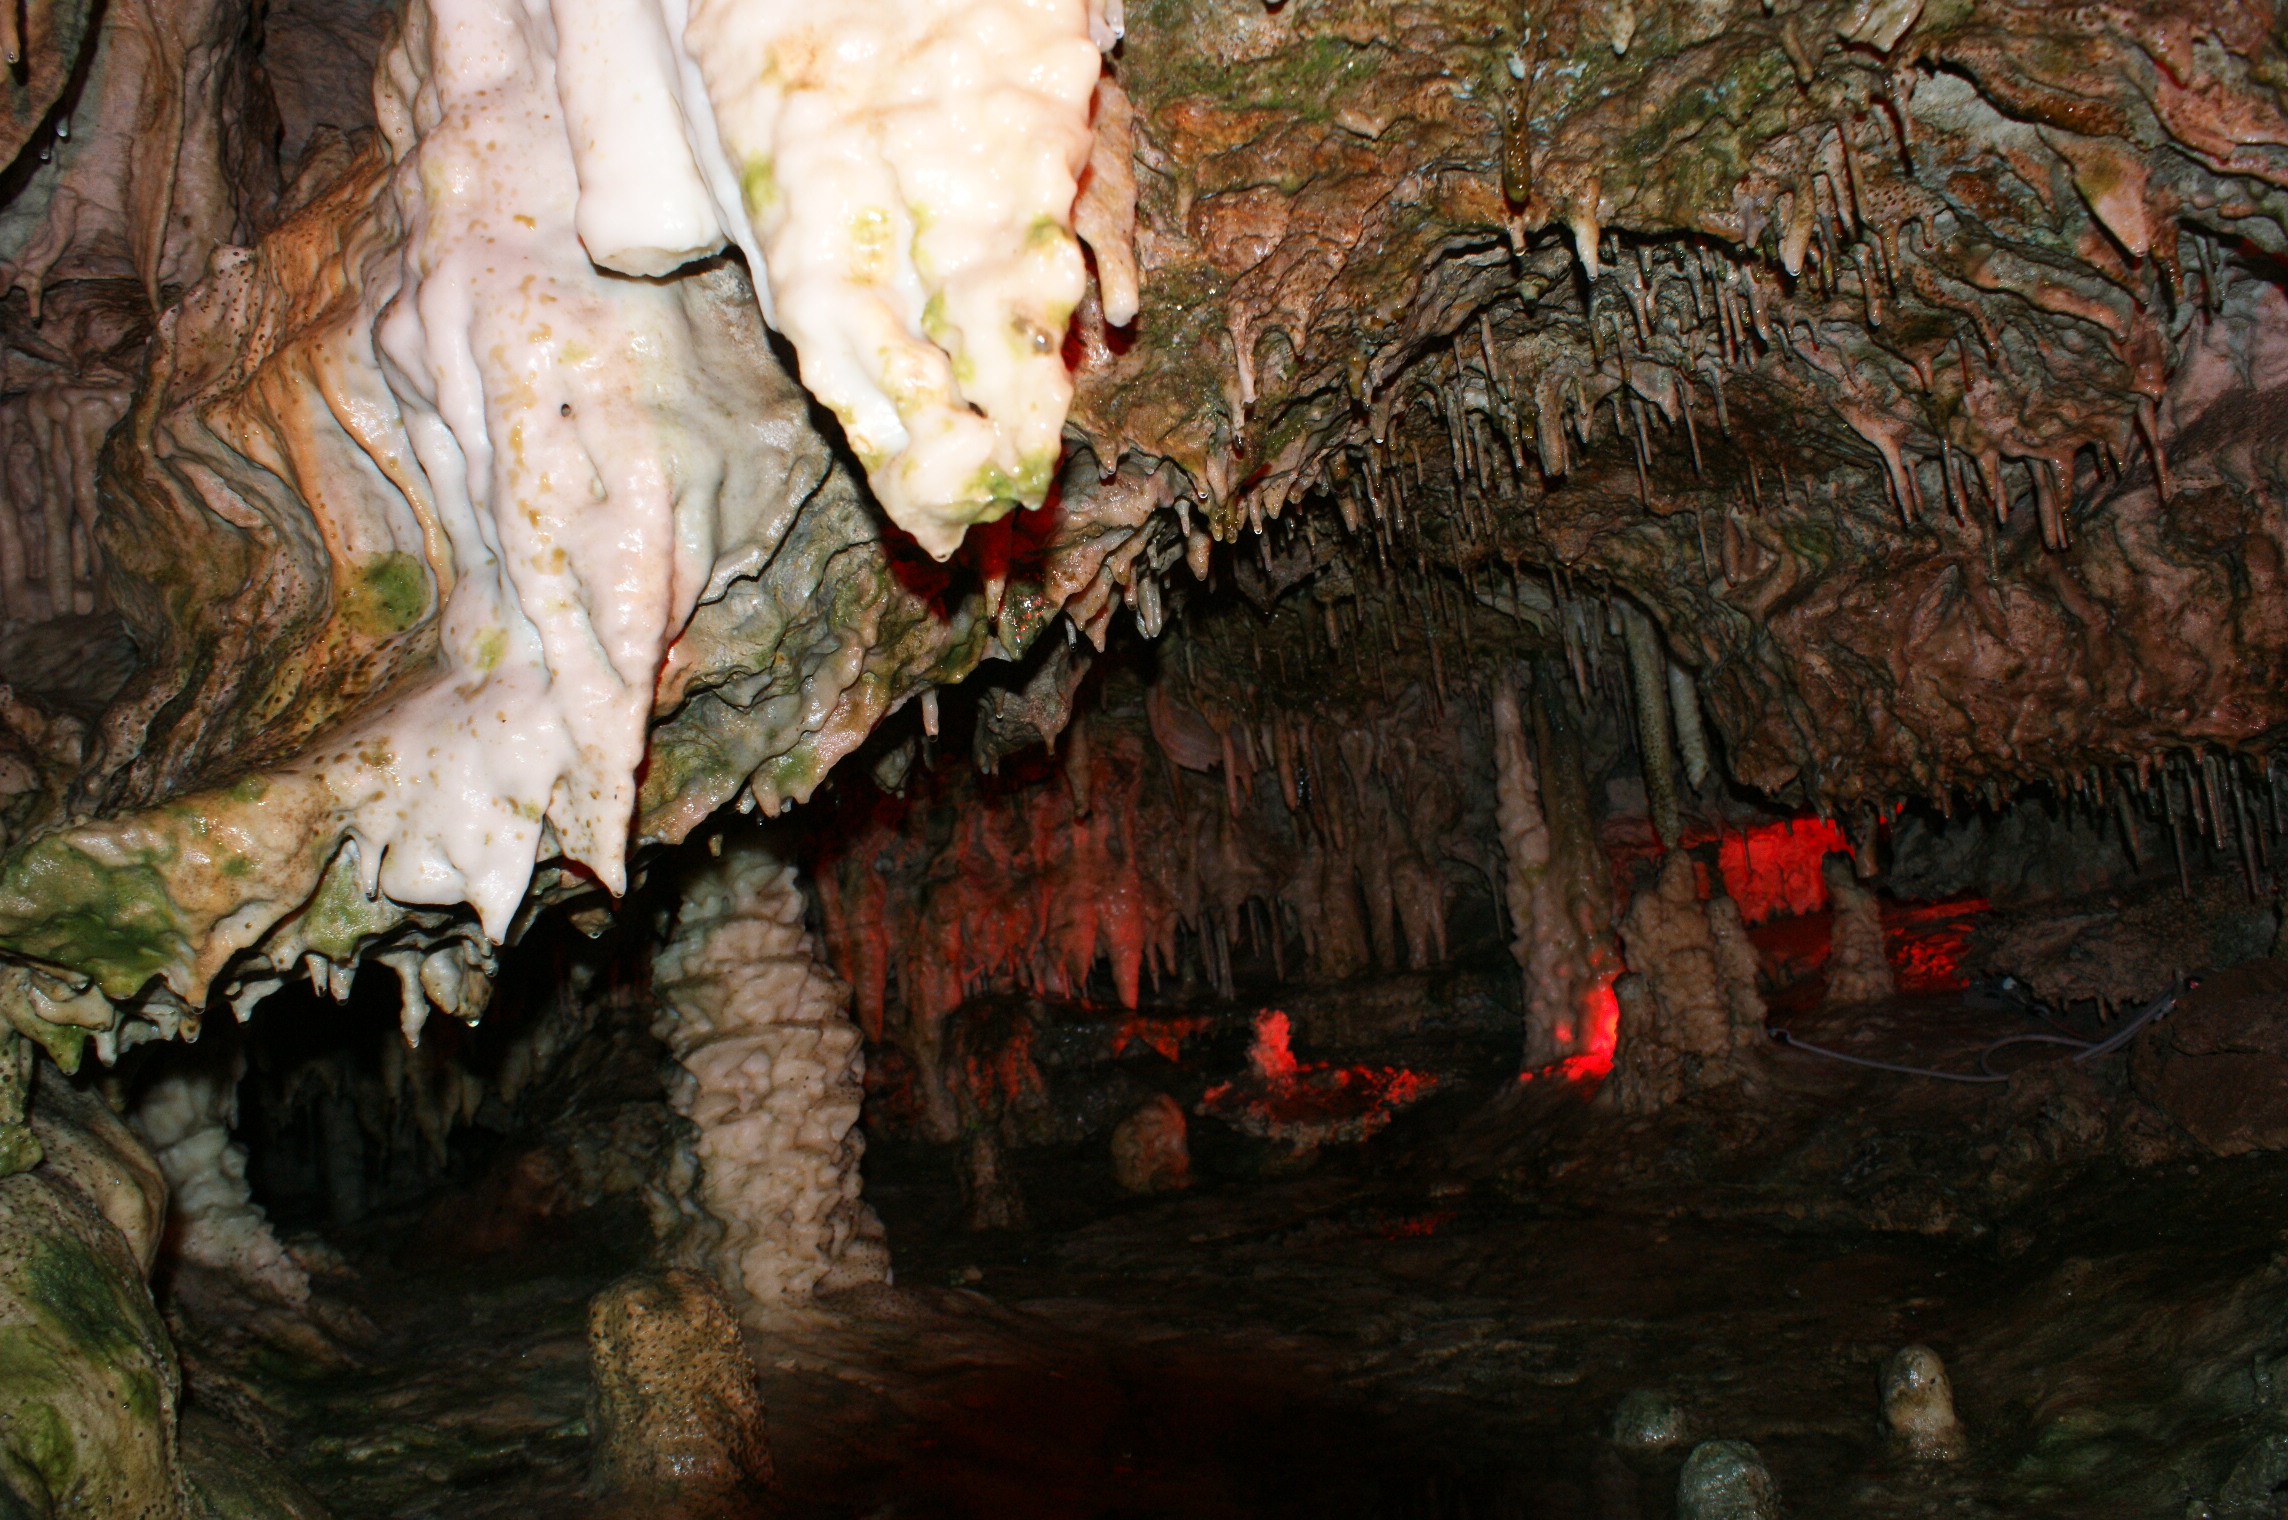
{"x":170,"y":893}
{"x":19,"y":1150}
{"x":386,"y":595}
{"x":88,"y":1382}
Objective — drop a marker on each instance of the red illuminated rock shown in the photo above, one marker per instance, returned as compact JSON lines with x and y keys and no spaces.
{"x":1857,"y":971}
{"x":1150,"y":1149}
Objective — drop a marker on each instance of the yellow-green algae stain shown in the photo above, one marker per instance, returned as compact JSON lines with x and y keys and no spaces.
{"x":386,"y":595}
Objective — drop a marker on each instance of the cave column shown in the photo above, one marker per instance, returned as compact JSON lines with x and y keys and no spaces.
{"x":771,"y":1081}
{"x":1556,"y":879}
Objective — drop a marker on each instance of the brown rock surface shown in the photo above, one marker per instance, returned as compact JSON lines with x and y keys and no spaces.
{"x":2218,"y":1063}
{"x":676,"y":1416}
{"x":1149,"y":1149}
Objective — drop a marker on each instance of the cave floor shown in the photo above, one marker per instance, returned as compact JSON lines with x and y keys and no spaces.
{"x":1437,"y":1323}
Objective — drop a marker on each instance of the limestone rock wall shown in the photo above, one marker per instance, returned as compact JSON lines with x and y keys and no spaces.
{"x":88,"y":1408}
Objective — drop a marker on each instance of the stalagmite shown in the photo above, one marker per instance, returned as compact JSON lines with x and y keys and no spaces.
{"x":1857,"y":971}
{"x":1553,"y":886}
{"x":1691,"y":737}
{"x":676,"y":1417}
{"x":1737,"y":968}
{"x":1695,"y":1006}
{"x":1150,"y":1153}
{"x":1726,"y":1480}
{"x":770,"y":1077}
{"x":1918,"y":1406}
{"x":991,"y":1198}
{"x":186,"y":1116}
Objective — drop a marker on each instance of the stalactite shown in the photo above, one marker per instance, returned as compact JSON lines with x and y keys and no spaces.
{"x":1691,"y":737}
{"x":1648,"y":671}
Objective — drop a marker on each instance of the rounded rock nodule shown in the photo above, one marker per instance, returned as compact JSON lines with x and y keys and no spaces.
{"x":1647,"y":1421}
{"x":1726,"y":1480}
{"x":1918,"y":1406}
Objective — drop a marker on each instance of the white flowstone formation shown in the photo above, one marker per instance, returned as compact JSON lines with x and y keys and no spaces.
{"x":906,"y":172}
{"x":771,"y":1066}
{"x":540,"y":462}
{"x":185,"y":1116}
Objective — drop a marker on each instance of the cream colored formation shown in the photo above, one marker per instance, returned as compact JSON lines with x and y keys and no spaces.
{"x":1554,"y":885}
{"x":1857,"y":970}
{"x":771,"y":1065}
{"x":186,"y":1117}
{"x":567,"y":445}
{"x":1689,"y":1009}
{"x":512,"y":446}
{"x":903,"y":175}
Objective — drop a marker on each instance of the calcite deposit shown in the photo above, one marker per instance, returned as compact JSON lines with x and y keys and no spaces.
{"x":185,"y":1117}
{"x":771,"y":1066}
{"x":646,"y":593}
{"x":1689,"y":1009}
{"x":1857,"y":969}
{"x":87,"y":1411}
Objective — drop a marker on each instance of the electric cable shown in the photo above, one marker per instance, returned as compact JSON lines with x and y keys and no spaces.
{"x":2084,"y":1050}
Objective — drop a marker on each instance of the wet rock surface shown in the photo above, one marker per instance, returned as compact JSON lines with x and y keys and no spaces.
{"x":1572,"y":478}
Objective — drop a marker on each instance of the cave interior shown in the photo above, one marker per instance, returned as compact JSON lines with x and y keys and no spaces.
{"x":1402,"y":758}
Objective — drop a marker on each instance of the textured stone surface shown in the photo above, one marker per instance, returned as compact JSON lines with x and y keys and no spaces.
{"x":2218,"y":1062}
{"x":1918,"y":1406}
{"x":770,"y":1079}
{"x":1149,"y":1150}
{"x":1903,"y":381}
{"x":676,"y":1416}
{"x":89,"y":1397}
{"x":1726,"y":1480}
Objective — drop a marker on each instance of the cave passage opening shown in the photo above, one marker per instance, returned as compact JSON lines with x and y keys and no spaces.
{"x":1220,"y":1178}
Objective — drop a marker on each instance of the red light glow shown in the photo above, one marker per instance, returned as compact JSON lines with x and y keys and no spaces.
{"x":1925,"y":943}
{"x":1601,"y":1018}
{"x":1421,"y":1226}
{"x":1310,"y":1103}
{"x":1272,"y":1056}
{"x":1166,"y":1036}
{"x":1774,"y":869}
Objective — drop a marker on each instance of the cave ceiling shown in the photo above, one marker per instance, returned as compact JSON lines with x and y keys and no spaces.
{"x":1918,"y":369}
